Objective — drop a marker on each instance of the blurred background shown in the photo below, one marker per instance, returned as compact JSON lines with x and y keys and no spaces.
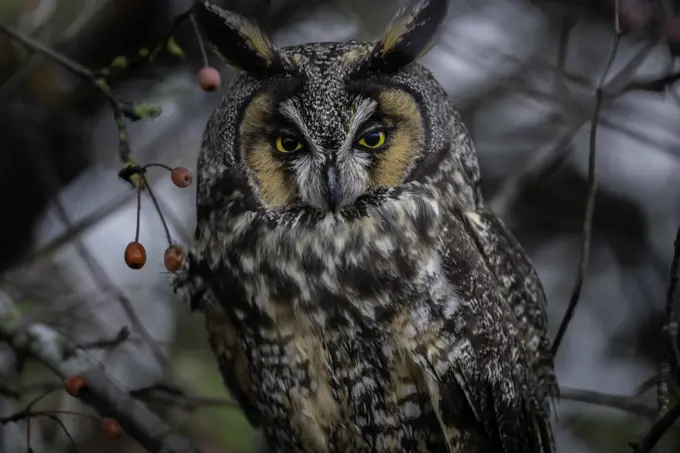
{"x":523,"y":73}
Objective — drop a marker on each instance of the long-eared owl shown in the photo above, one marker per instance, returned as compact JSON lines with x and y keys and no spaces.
{"x":358,"y":294}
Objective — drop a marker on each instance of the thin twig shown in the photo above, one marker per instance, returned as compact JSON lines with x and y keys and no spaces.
{"x":634,"y":405}
{"x":122,"y":111}
{"x":551,"y":153}
{"x":102,"y":393}
{"x":142,"y":58}
{"x":108,"y":343}
{"x":78,"y":228}
{"x":104,"y":283}
{"x":27,"y":411}
{"x":58,"y":421}
{"x":28,"y":414}
{"x":590,"y":202}
{"x":645,"y":386}
{"x":168,"y":394}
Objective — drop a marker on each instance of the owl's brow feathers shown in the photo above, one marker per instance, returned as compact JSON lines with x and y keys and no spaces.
{"x":362,"y":110}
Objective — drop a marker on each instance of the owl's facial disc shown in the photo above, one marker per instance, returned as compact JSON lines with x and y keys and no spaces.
{"x":292,"y":156}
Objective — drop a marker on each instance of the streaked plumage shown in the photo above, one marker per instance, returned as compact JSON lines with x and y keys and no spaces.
{"x":361,"y":298}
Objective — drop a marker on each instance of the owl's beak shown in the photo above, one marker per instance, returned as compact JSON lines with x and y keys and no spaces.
{"x":333,"y":188}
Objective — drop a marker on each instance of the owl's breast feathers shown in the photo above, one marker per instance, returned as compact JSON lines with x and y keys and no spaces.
{"x":367,"y":333}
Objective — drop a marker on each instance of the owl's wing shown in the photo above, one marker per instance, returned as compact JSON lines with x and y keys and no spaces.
{"x":195,"y":284}
{"x":474,"y":361}
{"x":520,"y":286}
{"x":231,"y":359}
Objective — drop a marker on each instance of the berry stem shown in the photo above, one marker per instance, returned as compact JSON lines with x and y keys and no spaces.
{"x":140,"y":184}
{"x":159,"y":210}
{"x":157,"y":165}
{"x":200,"y":40}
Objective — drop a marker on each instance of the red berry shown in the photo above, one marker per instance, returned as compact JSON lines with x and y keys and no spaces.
{"x":74,"y":385}
{"x":111,"y":428}
{"x":173,"y":258}
{"x":209,"y":79}
{"x":181,"y":177}
{"x":135,"y":255}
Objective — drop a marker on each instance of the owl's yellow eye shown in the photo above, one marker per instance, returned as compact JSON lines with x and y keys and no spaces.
{"x":286,"y":144}
{"x":373,"y":140}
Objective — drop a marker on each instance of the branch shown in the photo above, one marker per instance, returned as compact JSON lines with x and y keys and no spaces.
{"x":669,"y":347}
{"x":66,"y":359}
{"x":122,"y":111}
{"x":657,"y":84}
{"x":168,"y":394}
{"x":655,"y":434}
{"x":632,"y":404}
{"x":590,"y":202}
{"x":549,"y":155}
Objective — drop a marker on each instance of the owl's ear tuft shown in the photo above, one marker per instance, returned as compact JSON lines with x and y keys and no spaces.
{"x":240,"y":42}
{"x":408,"y":37}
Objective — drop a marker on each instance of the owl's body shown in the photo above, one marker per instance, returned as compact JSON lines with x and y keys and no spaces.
{"x":358,"y":295}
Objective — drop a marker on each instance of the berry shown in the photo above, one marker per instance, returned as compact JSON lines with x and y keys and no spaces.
{"x":181,"y":177}
{"x":111,"y":428}
{"x":135,"y":255}
{"x":209,"y":79}
{"x":74,"y":385}
{"x":173,"y":258}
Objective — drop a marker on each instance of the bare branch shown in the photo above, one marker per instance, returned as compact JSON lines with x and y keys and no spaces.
{"x":634,"y":405}
{"x":65,"y":359}
{"x":655,"y":434}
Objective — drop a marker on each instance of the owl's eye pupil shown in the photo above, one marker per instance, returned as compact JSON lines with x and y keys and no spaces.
{"x":289,"y":144}
{"x":285,"y":144}
{"x":372,"y":139}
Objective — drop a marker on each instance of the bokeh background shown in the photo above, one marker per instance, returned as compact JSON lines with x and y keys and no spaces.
{"x":523,"y":74}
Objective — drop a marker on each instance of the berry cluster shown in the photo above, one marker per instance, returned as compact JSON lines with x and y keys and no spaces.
{"x":135,"y":253}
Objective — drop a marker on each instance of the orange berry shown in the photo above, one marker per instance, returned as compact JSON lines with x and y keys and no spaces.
{"x":135,"y":255}
{"x":173,"y":258}
{"x":209,"y":79}
{"x":111,"y":428}
{"x":74,"y":385}
{"x":181,"y":177}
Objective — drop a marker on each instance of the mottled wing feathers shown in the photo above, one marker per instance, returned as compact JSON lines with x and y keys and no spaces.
{"x":470,"y":342}
{"x":197,"y":284}
{"x":229,"y":352}
{"x":520,"y":286}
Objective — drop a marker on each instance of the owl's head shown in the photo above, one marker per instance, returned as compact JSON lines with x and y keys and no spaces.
{"x":322,"y":125}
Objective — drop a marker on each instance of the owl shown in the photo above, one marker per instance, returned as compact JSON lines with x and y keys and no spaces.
{"x":358,"y":295}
